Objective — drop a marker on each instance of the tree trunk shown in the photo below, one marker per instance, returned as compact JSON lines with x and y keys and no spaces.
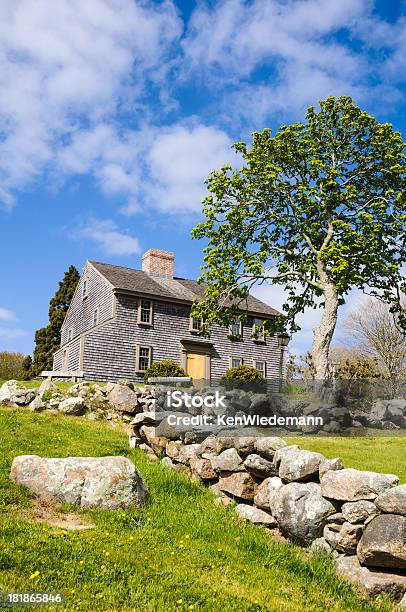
{"x":323,"y":333}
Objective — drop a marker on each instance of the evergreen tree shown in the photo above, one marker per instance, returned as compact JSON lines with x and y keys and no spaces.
{"x":48,"y":339}
{"x":26,"y":368}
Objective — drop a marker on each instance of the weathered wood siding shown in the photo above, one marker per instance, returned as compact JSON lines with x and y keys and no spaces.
{"x":109,"y":349}
{"x":79,"y":317}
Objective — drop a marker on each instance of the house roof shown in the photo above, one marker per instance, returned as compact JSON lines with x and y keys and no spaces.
{"x":185,"y":290}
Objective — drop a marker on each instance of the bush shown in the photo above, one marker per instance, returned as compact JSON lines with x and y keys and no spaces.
{"x":165,"y":368}
{"x":242,"y":374}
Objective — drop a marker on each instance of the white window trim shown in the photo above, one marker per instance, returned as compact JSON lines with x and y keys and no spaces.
{"x":137,"y":357}
{"x":191,"y":329}
{"x":95,"y":311}
{"x":69,"y":335}
{"x":254,"y":361}
{"x":230,"y":331}
{"x":151,"y":312}
{"x":85,"y":289}
{"x":230,"y":361}
{"x":254,"y":331}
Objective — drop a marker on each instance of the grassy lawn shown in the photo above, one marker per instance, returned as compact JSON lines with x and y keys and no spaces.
{"x":63,"y":385}
{"x":179,"y":552}
{"x":378,"y":453}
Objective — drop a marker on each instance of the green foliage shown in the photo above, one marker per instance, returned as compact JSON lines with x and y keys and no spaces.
{"x":47,"y":395}
{"x":318,"y":208}
{"x":12,"y":366}
{"x":26,"y":368}
{"x":179,"y":552}
{"x":48,"y":339}
{"x":242,"y":373}
{"x":166,"y":368}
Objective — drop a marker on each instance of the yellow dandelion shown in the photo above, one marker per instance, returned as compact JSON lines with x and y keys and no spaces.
{"x":107,"y":553}
{"x":34,"y":575}
{"x":179,"y":601}
{"x":81,"y":562}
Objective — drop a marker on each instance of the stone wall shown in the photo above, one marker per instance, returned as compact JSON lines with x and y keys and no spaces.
{"x":357,"y":517}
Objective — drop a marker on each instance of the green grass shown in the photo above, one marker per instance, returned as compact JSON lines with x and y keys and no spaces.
{"x":378,"y":453}
{"x":179,"y":552}
{"x":63,"y":385}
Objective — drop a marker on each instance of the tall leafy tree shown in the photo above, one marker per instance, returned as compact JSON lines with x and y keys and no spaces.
{"x":318,"y":208}
{"x":48,"y":339}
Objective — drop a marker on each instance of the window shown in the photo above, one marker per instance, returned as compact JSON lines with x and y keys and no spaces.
{"x":95,"y":317}
{"x":235,"y":329}
{"x":70,"y":334}
{"x":258,"y":330}
{"x":145,"y":312}
{"x":235,"y":362}
{"x":195,"y":324}
{"x":64,"y":360}
{"x":260,"y":367}
{"x":143,"y":358}
{"x":84,"y":289}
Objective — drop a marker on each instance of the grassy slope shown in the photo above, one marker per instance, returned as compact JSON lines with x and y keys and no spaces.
{"x":378,"y":454}
{"x":177,"y":553}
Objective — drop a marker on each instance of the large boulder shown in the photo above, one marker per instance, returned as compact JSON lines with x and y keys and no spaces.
{"x":353,"y":485}
{"x":299,"y":465}
{"x":393,"y":500}
{"x":301,"y":511}
{"x":37,"y":405}
{"x":383,"y":543}
{"x":91,"y":482}
{"x":123,"y":398}
{"x":239,"y":484}
{"x":12,"y":393}
{"x":371,"y":582}
{"x":74,"y":406}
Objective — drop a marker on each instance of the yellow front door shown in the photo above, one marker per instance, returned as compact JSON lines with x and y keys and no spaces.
{"x":196,"y":366}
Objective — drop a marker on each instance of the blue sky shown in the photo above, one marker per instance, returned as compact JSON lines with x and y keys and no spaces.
{"x":113,"y":112}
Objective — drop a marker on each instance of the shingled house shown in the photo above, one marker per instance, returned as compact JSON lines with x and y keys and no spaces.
{"x":121,"y":320}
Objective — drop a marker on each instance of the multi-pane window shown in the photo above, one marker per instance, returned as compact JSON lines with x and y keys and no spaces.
{"x":143,"y":358}
{"x":260,"y":367}
{"x":235,"y":329}
{"x":95,"y":318}
{"x":84,"y":289}
{"x":145,"y":312}
{"x":195,"y":324}
{"x":258,"y":330}
{"x":70,"y":334}
{"x":235,"y":362}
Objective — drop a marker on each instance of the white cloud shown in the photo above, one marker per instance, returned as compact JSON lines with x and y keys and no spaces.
{"x":179,"y":161}
{"x":294,"y":44}
{"x":68,"y":63}
{"x":108,"y":237}
{"x":7,"y":315}
{"x":11,"y":334}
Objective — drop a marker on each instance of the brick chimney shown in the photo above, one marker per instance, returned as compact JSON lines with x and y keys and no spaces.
{"x":159,"y":263}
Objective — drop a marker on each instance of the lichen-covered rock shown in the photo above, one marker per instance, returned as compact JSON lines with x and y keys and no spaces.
{"x":265,"y":490}
{"x":330,"y":464}
{"x":37,"y":405}
{"x":383,"y":543}
{"x":91,"y":482}
{"x":239,"y":484}
{"x":359,"y":511}
{"x":393,"y":500}
{"x":266,"y":447}
{"x":202,"y":468}
{"x":255,"y":515}
{"x":353,"y":485}
{"x":301,"y":511}
{"x":244,"y":445}
{"x":188,"y":452}
{"x":343,"y":538}
{"x":371,"y":581}
{"x":227,"y":461}
{"x":47,"y":385}
{"x":123,"y":398}
{"x":300,"y":465}
{"x":258,"y":466}
{"x":75,"y":406}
